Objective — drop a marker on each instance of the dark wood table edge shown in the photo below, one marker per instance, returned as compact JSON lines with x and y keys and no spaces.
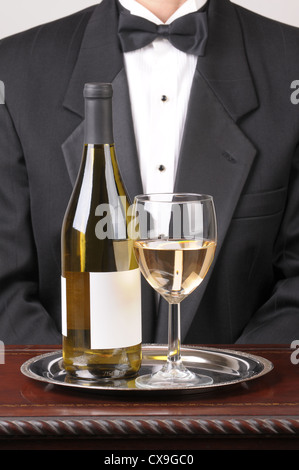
{"x":127,"y":432}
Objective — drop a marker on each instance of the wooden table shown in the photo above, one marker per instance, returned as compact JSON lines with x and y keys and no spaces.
{"x":260,"y":414}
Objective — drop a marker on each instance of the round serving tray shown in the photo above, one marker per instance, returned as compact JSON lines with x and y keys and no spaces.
{"x":225,"y":367}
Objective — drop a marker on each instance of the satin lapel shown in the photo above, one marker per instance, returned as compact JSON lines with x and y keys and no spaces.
{"x":216,"y":156}
{"x":100,"y":59}
{"x":125,"y":146}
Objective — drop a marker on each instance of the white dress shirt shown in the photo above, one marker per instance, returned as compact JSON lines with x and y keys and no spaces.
{"x":160,"y":78}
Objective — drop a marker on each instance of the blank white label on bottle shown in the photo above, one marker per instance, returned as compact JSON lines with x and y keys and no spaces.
{"x":115,"y":309}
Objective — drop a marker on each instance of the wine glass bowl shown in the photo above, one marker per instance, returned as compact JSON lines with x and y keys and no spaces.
{"x":175,"y":239}
{"x":174,"y":268}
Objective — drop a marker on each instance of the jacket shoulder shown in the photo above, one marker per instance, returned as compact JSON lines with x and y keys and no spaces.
{"x":41,"y":55}
{"x":46,"y":39}
{"x":264,"y":25}
{"x":273,"y":40}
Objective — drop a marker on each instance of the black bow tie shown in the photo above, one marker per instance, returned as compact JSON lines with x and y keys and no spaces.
{"x":188,"y":33}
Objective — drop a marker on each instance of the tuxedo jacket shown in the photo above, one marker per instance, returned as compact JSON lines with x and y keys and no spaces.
{"x":240,"y":145}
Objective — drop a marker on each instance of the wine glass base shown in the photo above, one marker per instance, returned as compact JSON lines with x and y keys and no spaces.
{"x":172,"y":377}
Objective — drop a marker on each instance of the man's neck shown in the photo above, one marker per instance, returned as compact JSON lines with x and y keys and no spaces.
{"x":163,"y":9}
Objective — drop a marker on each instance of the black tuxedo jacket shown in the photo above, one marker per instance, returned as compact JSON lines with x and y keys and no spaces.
{"x":240,"y":145}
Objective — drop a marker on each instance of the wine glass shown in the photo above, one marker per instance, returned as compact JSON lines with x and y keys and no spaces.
{"x":174,"y":243}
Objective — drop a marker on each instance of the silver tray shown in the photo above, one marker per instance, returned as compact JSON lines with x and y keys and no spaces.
{"x":225,"y":367}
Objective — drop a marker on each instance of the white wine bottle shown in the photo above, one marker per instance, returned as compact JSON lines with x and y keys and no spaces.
{"x":101,"y":287}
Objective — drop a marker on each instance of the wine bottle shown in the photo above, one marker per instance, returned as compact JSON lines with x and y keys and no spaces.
{"x":100,"y":282}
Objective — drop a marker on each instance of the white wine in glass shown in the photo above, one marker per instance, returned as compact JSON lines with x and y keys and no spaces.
{"x":175,"y":239}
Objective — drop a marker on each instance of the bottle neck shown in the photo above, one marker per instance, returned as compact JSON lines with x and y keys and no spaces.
{"x":98,"y":121}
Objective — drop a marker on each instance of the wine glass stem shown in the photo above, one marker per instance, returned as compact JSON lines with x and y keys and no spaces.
{"x":174,"y":334}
